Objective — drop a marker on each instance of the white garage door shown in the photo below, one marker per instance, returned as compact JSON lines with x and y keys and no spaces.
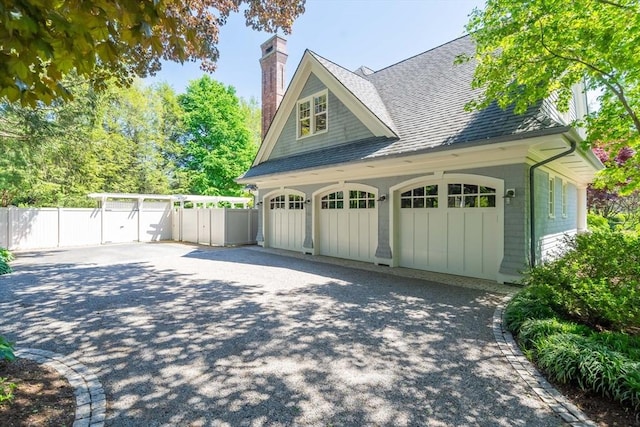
{"x":285,"y":222}
{"x":450,"y":227}
{"x":348,"y":225}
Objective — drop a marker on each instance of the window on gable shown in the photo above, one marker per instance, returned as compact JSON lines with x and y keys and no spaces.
{"x":312,"y":114}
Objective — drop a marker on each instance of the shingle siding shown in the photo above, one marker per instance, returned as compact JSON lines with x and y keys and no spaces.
{"x":343,"y":126}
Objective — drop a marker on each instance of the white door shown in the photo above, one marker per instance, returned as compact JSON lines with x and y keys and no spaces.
{"x":348,"y":225}
{"x":450,"y":227}
{"x":285,"y":222}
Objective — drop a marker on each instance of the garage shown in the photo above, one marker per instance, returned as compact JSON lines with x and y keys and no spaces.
{"x":451,"y":226}
{"x":285,"y":221}
{"x":348,"y":224}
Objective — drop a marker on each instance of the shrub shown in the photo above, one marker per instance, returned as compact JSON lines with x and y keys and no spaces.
{"x":568,"y":357}
{"x":530,"y":303}
{"x":5,"y":258}
{"x":6,"y":350}
{"x":6,"y":255}
{"x":534,"y":329}
{"x":6,"y":390}
{"x":596,"y":282}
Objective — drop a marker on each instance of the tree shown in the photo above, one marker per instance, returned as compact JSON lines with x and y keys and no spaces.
{"x":217,"y":146}
{"x":41,"y":41}
{"x":528,"y":50}
{"x":253,"y":118}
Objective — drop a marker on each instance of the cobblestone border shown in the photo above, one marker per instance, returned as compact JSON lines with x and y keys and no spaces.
{"x":91,"y":404}
{"x":570,"y":413}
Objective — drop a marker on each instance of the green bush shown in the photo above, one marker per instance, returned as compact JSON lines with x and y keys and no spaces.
{"x":6,"y":350}
{"x":534,"y":329}
{"x":6,"y":255}
{"x":6,"y":390}
{"x":596,"y":282}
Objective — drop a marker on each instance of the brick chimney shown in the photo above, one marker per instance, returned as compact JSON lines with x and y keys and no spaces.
{"x":274,"y":58}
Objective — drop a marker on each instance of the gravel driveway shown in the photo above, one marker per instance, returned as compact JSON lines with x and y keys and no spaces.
{"x":186,"y":336}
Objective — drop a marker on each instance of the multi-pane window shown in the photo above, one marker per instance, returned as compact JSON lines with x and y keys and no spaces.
{"x":320,"y":113}
{"x":565,"y":199}
{"x":470,"y":196}
{"x":333,"y":201}
{"x":420,"y":197}
{"x":312,"y":114}
{"x":296,"y":202}
{"x":278,"y":202}
{"x":361,"y":200}
{"x":552,"y":197}
{"x":304,"y":118}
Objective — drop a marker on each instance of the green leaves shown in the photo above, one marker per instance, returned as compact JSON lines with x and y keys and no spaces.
{"x":530,"y":50}
{"x":40,"y":41}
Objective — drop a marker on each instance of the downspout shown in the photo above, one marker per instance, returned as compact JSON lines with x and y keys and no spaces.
{"x":532,"y":210}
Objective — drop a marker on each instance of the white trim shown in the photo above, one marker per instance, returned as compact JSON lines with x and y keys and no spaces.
{"x":312,"y":114}
{"x":565,"y":198}
{"x":551,"y":196}
{"x":308,"y":65}
{"x":265,"y":198}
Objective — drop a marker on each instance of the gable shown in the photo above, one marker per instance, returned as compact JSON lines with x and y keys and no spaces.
{"x":342,"y":126}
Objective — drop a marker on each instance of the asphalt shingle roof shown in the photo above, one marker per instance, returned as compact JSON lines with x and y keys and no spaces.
{"x":421,"y":99}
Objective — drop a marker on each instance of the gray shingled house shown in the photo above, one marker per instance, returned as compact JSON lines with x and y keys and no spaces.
{"x":387,"y":167}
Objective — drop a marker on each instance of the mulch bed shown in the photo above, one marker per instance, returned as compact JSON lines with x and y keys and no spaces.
{"x":42,"y":397}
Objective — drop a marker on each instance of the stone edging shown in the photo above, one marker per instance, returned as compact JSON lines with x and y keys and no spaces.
{"x":91,"y":404}
{"x":570,"y":413}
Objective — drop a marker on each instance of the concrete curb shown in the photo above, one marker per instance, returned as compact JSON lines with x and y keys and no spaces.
{"x":566,"y":410}
{"x":91,"y":404}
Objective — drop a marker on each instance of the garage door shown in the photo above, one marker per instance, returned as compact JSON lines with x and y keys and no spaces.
{"x":450,"y":227}
{"x":348,"y":225}
{"x":285,"y":222}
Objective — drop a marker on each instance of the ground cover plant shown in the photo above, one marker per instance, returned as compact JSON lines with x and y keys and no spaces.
{"x":5,"y":258}
{"x":578,"y":318}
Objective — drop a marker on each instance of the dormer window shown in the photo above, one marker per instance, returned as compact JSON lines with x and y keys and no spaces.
{"x":312,"y":114}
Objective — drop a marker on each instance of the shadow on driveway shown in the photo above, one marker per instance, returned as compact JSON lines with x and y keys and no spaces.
{"x":193,"y":336}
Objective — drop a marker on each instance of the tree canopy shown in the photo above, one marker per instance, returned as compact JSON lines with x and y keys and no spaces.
{"x":528,"y":50}
{"x":43,"y":41}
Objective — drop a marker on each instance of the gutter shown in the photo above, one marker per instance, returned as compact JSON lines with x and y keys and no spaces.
{"x":532,"y":210}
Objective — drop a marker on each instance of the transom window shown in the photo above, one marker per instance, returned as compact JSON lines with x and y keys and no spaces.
{"x":333,"y":201}
{"x":470,"y":196}
{"x":420,"y":197}
{"x":312,"y":114}
{"x":296,"y":202}
{"x":277,"y":202}
{"x":361,"y":200}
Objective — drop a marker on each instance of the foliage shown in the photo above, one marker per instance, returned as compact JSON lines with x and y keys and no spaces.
{"x":531,"y":303}
{"x":217,"y":147}
{"x":529,"y":50}
{"x":5,"y":255}
{"x":6,"y":390}
{"x":41,"y":42}
{"x":596,"y":282}
{"x":6,"y":350}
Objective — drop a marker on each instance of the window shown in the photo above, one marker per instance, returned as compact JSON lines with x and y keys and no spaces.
{"x":296,"y":202}
{"x":361,"y":200}
{"x":470,"y":196}
{"x":333,"y":201}
{"x":312,"y":114}
{"x":277,"y":202}
{"x":421,"y":197}
{"x":565,"y":199}
{"x":552,"y":197}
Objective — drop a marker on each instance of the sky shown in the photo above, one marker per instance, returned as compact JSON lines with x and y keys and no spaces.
{"x":351,"y":33}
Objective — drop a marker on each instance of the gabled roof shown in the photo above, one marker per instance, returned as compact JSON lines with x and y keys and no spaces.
{"x":421,"y":100}
{"x":361,"y":88}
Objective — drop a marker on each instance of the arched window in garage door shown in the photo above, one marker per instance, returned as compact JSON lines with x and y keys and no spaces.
{"x":348,"y":226}
{"x":449,"y":226}
{"x":286,"y":222}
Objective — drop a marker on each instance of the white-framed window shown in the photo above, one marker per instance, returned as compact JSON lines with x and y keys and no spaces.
{"x":277,"y":202}
{"x":470,"y":196}
{"x":361,"y":200}
{"x":312,"y":114}
{"x":552,"y":197}
{"x":565,"y":199}
{"x":333,"y":201}
{"x":425,"y":196}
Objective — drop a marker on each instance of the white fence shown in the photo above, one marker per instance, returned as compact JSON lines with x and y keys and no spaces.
{"x":29,"y":228}
{"x":215,"y":226}
{"x":120,"y":222}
